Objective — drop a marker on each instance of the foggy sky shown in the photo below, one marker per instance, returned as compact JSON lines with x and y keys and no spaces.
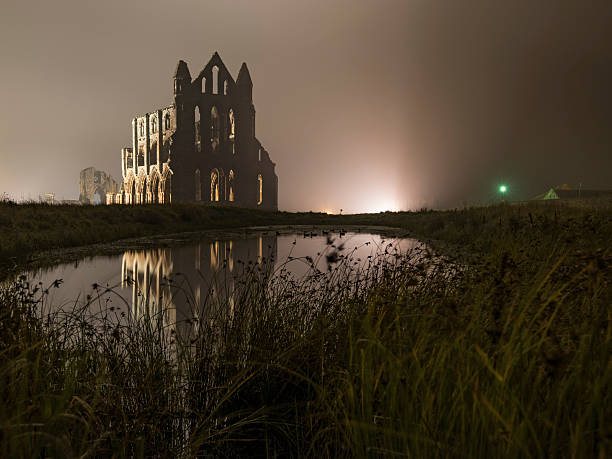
{"x":363,"y":105}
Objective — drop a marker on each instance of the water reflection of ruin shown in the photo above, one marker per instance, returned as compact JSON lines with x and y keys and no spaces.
{"x":178,"y":285}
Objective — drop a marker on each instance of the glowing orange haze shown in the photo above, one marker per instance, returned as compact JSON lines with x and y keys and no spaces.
{"x":364,"y":105}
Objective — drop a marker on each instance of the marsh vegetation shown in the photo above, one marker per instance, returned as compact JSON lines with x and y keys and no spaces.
{"x":500,"y":350}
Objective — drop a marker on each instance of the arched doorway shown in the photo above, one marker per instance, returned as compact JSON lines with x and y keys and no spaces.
{"x":230,"y":186}
{"x":155,"y":189}
{"x":167,"y":189}
{"x":214,"y":185}
{"x":133,"y":192}
{"x":140,"y":191}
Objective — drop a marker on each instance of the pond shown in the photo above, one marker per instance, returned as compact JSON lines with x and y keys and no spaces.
{"x":174,"y":282}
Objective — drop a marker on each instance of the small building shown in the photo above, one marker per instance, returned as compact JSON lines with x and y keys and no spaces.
{"x":566,"y":193}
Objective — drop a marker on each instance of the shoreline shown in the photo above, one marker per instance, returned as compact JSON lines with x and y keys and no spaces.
{"x":38,"y":235}
{"x":65,"y":255}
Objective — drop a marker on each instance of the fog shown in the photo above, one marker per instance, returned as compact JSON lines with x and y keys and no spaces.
{"x":363,"y":105}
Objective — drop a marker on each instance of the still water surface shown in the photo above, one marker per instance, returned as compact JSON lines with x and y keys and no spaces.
{"x":176,"y":278}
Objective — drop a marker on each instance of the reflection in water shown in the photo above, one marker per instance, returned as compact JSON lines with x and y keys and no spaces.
{"x":182,"y":286}
{"x":146,"y":273}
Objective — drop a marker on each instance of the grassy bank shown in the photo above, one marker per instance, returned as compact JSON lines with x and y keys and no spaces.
{"x":508,"y":356}
{"x":27,"y":230}
{"x":31,"y":228}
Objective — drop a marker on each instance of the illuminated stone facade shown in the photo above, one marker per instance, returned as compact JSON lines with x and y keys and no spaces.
{"x":202,"y":148}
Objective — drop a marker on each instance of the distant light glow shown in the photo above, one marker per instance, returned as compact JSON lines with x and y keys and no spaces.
{"x":381,"y":205}
{"x":503,"y":188}
{"x":372,"y":207}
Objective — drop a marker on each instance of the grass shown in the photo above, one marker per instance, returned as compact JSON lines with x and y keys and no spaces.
{"x":26,"y":230}
{"x":504,"y":352}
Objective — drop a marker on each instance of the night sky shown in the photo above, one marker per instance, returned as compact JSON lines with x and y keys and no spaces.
{"x":363,"y":105}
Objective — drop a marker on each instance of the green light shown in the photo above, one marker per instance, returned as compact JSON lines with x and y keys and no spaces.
{"x":503,"y":189}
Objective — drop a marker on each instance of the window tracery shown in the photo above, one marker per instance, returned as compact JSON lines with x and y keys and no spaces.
{"x":259,"y":189}
{"x":214,"y":128}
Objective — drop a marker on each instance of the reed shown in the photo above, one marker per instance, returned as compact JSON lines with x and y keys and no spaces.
{"x":502,"y":351}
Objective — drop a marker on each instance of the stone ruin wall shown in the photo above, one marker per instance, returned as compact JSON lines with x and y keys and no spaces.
{"x":94,"y":186}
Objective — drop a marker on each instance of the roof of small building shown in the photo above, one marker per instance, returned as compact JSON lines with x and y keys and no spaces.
{"x":567,"y":192}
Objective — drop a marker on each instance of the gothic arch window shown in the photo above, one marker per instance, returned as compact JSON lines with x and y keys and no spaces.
{"x":197,"y":130}
{"x":259,"y":189}
{"x":203,"y":83}
{"x":231,"y":177}
{"x":155,"y":189}
{"x":215,"y":78}
{"x":141,"y":156}
{"x":214,"y":128}
{"x":153,"y":124}
{"x":167,"y":121}
{"x":141,"y":128}
{"x":129,"y":159}
{"x":225,"y":87}
{"x":231,"y":129}
{"x":214,"y":185}
{"x":231,"y":124}
{"x":198,"y":186}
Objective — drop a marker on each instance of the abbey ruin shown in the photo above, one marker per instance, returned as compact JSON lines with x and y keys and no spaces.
{"x":95,"y":186}
{"x":201,"y":148}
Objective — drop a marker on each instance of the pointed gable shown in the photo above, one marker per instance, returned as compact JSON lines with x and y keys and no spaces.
{"x":551,"y":194}
{"x":224,"y":74}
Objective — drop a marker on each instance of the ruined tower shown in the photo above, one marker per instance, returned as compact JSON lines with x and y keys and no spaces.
{"x":95,"y":186}
{"x":202,"y":147}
